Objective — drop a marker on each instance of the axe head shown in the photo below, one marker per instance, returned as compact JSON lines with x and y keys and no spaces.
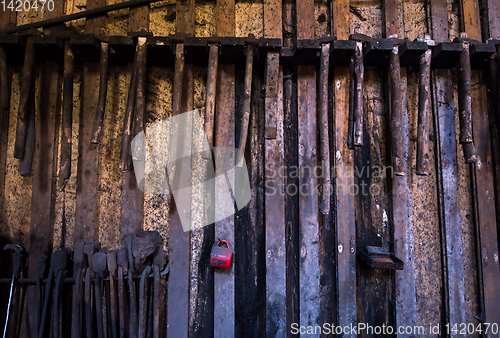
{"x":99,"y":263}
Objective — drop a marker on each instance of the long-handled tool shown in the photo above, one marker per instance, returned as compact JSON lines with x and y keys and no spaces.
{"x":324,"y":144}
{"x":112,"y":268}
{"x":27,"y":79}
{"x":213,"y":63}
{"x":157,"y":266}
{"x":79,"y":267}
{"x":67,"y":112}
{"x":121,"y":257}
{"x":140,"y":94}
{"x":129,"y":242}
{"x":103,"y":89}
{"x":18,"y":258}
{"x":60,"y":270}
{"x":350,"y":121}
{"x":143,"y":302}
{"x":247,"y":95}
{"x":58,"y":261}
{"x":398,"y":158}
{"x":41,"y":268}
{"x":465,"y":100}
{"x":26,"y":165}
{"x":4,"y":80}
{"x":99,"y":263}
{"x":424,"y":94}
{"x":89,"y":249}
{"x":359,"y":73}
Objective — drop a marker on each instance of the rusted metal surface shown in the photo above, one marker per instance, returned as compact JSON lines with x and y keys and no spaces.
{"x":67,"y":112}
{"x":245,"y":119}
{"x":79,"y":266}
{"x":424,"y":94}
{"x":352,"y":89}
{"x":272,"y":69}
{"x":121,"y":259}
{"x":26,"y":164}
{"x":27,"y":79}
{"x":324,"y":140}
{"x":143,"y":302}
{"x":4,"y":81}
{"x":103,"y":89}
{"x":140,"y":95}
{"x":112,"y":269}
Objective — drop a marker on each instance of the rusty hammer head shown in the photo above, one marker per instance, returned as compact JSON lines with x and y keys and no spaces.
{"x":357,"y":36}
{"x":90,"y":249}
{"x":158,"y":256}
{"x":428,"y":40}
{"x":112,"y":265}
{"x":121,"y":259}
{"x":59,"y":260}
{"x":18,"y":257}
{"x":99,"y":263}
{"x":464,"y":39}
{"x":79,"y":258}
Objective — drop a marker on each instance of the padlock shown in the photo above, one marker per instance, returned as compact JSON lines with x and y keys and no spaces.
{"x":220,"y":257}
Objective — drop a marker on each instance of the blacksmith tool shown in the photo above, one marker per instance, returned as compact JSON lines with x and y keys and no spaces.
{"x":359,"y":74}
{"x":140,"y":94}
{"x":60,"y":270}
{"x":89,"y":249}
{"x":143,"y":302}
{"x":67,"y":112}
{"x":25,"y":93}
{"x":99,"y":263}
{"x":129,"y":242}
{"x":112,"y":268}
{"x":465,"y":99}
{"x":350,"y":122}
{"x":424,"y":95}
{"x":396,"y":122}
{"x":41,"y":268}
{"x":157,"y":266}
{"x":79,"y":268}
{"x":121,"y":257}
{"x":26,"y":165}
{"x":103,"y":89}
{"x":129,"y":115}
{"x":4,"y":80}
{"x":213,"y":62}
{"x":58,"y":262}
{"x":16,"y":270}
{"x":251,"y":41}
{"x":324,"y":69}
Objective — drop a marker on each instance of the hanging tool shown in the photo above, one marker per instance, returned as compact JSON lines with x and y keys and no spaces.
{"x":79,"y":268}
{"x":4,"y":80}
{"x":213,"y":63}
{"x":67,"y":112}
{"x":398,"y":157}
{"x":27,"y":79}
{"x":89,"y":250}
{"x":157,"y":266}
{"x":424,"y":95}
{"x":26,"y":165}
{"x":350,"y":122}
{"x":324,"y":69}
{"x":251,"y":41}
{"x":112,"y":268}
{"x":99,"y":263}
{"x":129,"y":242}
{"x":41,"y":267}
{"x":143,"y":302}
{"x":220,"y":257}
{"x":60,"y":271}
{"x":140,"y":94}
{"x":359,"y":73}
{"x":58,"y":262}
{"x":103,"y":89}
{"x":129,"y":115}
{"x":16,"y":270}
{"x":465,"y":99}
{"x":121,"y":258}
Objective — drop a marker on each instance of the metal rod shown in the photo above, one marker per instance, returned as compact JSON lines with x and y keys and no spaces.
{"x":323,"y":129}
{"x":67,"y":112}
{"x":352,"y":89}
{"x":246,"y":105}
{"x":359,"y":73}
{"x":396,"y":114}
{"x":4,"y":80}
{"x":213,"y":61}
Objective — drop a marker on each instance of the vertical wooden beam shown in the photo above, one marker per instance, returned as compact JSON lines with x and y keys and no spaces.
{"x":224,"y":295}
{"x":179,"y":243}
{"x":482,"y":178}
{"x":406,"y":307}
{"x":309,"y":271}
{"x":447,"y":167}
{"x":343,"y":159}
{"x":274,"y":198}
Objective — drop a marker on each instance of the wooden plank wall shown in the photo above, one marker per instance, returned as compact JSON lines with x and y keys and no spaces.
{"x":318,"y":278}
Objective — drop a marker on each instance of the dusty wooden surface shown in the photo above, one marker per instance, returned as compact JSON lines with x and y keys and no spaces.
{"x":99,"y":201}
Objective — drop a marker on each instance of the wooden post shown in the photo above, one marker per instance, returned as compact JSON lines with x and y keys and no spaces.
{"x":343,"y":159}
{"x":274,"y":199}
{"x":482,"y":174}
